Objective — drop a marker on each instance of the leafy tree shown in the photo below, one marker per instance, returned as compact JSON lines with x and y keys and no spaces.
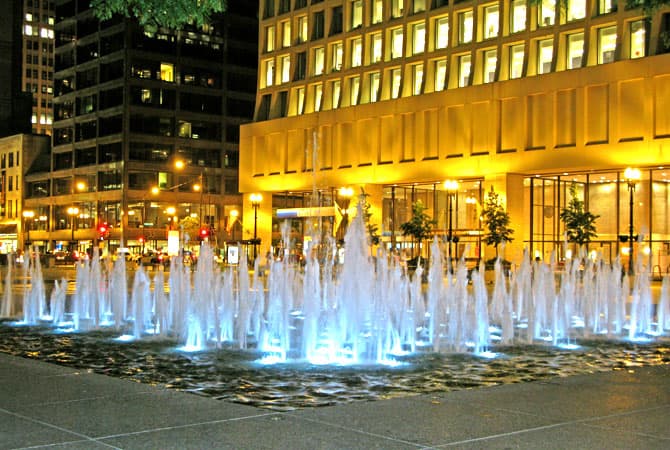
{"x":373,"y":229}
{"x":496,"y":221}
{"x":579,"y":224}
{"x":420,"y":226}
{"x":173,"y":14}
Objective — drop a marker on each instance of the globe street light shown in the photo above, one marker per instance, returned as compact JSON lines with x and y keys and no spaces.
{"x":27,"y":218}
{"x":72,"y":211}
{"x":256,"y":200}
{"x":632,"y":176}
{"x":451,"y":186}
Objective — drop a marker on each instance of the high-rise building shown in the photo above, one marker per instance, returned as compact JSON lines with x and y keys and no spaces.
{"x":145,"y":130}
{"x":396,"y":97}
{"x":14,"y":104}
{"x":38,"y":61}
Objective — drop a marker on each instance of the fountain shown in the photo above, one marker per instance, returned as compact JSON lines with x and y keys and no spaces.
{"x":366,"y":310}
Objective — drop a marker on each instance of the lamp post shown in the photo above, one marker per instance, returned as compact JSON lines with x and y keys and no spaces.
{"x":632,"y":176}
{"x":451,"y":186}
{"x":72,"y":211}
{"x":256,"y":200}
{"x":27,"y":218}
{"x":344,"y":193}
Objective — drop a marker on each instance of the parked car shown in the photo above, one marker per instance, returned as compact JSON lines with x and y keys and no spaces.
{"x":66,"y":257}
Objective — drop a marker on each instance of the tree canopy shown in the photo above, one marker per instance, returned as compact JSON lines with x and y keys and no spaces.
{"x":496,"y":221}
{"x":420,"y":225}
{"x":171,"y":14}
{"x":580,"y":225}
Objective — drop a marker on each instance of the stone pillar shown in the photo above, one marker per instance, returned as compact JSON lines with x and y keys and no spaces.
{"x":510,"y":190}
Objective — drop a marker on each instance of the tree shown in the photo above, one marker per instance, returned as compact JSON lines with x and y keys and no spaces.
{"x":373,"y":232}
{"x":579,"y":224}
{"x":173,"y":14}
{"x":420,"y":226}
{"x":496,"y":221}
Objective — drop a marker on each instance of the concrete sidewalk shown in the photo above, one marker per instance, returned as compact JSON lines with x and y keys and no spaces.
{"x":44,"y":405}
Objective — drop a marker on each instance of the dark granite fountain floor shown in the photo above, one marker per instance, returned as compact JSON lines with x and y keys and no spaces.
{"x":238,"y":377}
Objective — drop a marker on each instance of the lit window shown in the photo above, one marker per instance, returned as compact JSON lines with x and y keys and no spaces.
{"x":442,"y":32}
{"x":490,"y":64}
{"x":396,"y":79}
{"x":44,"y":33}
{"x":606,"y":6}
{"x":356,"y":13}
{"x":576,"y":9}
{"x":336,"y":91}
{"x":28,"y":30}
{"x":285,"y":68}
{"x":318,"y":97}
{"x":49,"y":119}
{"x":319,"y":60}
{"x":637,"y":38}
{"x":302,"y":29}
{"x":167,"y":72}
{"x":337,"y":56}
{"x":516,"y":56}
{"x":397,"y":8}
{"x":419,"y":6}
{"x":376,"y":53}
{"x":575,"y":50}
{"x":491,"y":21}
{"x":300,"y":100}
{"x":270,"y":39}
{"x":606,"y":45}
{"x":33,"y":119}
{"x":356,"y":52}
{"x":440,"y":74}
{"x":51,"y":21}
{"x":545,"y":55}
{"x":518,"y":16}
{"x":396,"y":43}
{"x":286,"y":34}
{"x":51,"y":34}
{"x":354,"y":90}
{"x":374,"y":86}
{"x":29,"y":17}
{"x":418,"y":38}
{"x":464,"y":66}
{"x":269,"y":72}
{"x":145,"y":96}
{"x":377,"y":11}
{"x":417,"y":79}
{"x":43,"y":119}
{"x":465,"y":27}
{"x":547,"y":12}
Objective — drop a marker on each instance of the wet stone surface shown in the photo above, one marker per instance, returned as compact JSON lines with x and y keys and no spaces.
{"x":237,"y":376}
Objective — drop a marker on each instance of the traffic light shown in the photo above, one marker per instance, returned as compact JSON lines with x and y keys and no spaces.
{"x":103,"y":228}
{"x":204,"y":233}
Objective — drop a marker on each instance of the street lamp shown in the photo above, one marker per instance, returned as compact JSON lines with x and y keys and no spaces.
{"x":451,"y":186}
{"x":256,"y":200}
{"x":27,"y":218}
{"x":344,"y":193}
{"x":632,"y":176}
{"x":72,"y":211}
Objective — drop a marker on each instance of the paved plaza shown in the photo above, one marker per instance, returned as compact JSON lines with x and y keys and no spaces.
{"x":48,"y":406}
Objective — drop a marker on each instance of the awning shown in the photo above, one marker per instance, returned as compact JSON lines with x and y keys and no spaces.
{"x":8,"y":229}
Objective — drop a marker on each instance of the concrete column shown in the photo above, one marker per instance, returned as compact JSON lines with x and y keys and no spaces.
{"x":509,"y":187}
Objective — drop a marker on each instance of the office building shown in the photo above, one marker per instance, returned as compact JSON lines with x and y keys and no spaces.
{"x":141,"y":108}
{"x":396,"y":97}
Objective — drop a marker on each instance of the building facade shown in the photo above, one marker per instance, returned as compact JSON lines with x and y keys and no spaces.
{"x":136,"y":109}
{"x":395,"y":97}
{"x":38,"y":61}
{"x":18,"y":153}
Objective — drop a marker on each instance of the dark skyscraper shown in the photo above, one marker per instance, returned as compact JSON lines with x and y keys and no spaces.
{"x":15,"y":105}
